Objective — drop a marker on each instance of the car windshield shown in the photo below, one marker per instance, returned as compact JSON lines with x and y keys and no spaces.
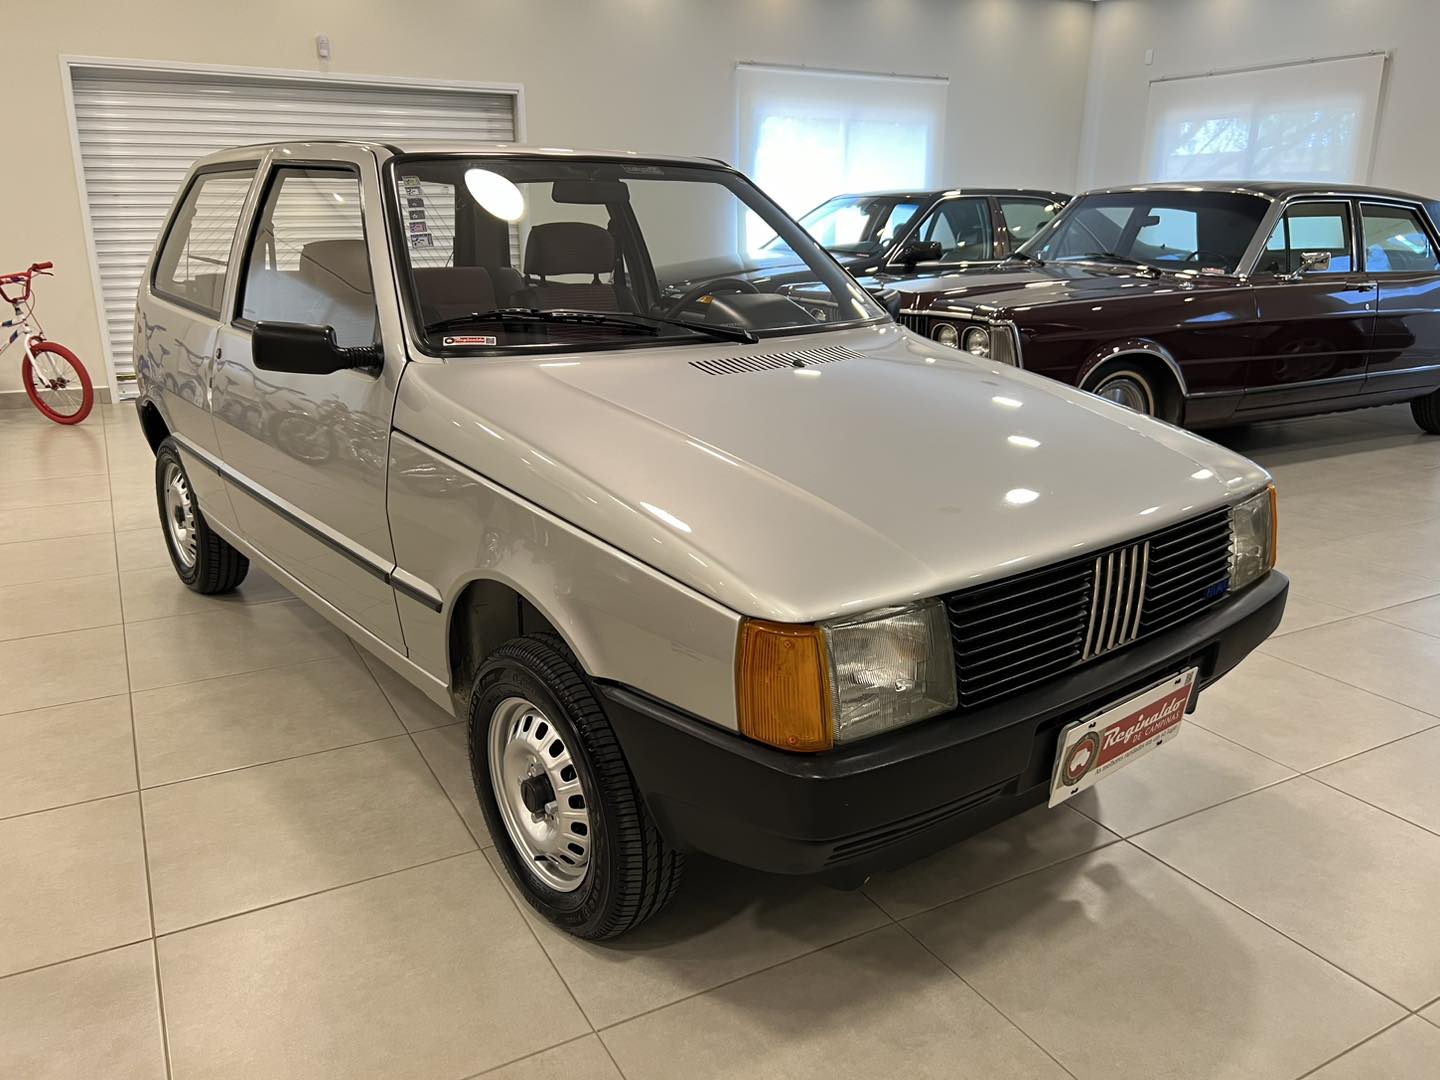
{"x":1168,"y":230}
{"x":503,"y":253}
{"x":858,"y":224}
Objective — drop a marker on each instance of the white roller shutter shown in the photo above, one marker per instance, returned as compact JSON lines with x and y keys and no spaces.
{"x":141,"y":130}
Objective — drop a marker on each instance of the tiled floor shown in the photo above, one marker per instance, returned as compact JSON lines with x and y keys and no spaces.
{"x":231,"y":846}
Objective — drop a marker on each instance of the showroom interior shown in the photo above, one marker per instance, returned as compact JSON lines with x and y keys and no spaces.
{"x":287,"y":823}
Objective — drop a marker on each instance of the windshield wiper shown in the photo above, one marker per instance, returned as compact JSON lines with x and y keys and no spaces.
{"x":590,"y":318}
{"x":1026,"y":256}
{"x":1116,"y":257}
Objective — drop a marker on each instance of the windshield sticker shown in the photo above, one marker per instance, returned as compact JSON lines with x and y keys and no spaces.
{"x":422,"y":240}
{"x":471,"y":339}
{"x":416,"y":215}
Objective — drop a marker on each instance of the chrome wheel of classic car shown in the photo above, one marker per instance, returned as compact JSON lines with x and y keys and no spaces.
{"x":1128,"y":388}
{"x":202,"y":558}
{"x":179,"y":513}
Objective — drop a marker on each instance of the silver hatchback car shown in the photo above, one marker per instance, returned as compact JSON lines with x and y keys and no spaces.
{"x":708,"y":564}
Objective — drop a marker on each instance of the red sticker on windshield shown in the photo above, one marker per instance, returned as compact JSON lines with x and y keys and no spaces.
{"x":472,"y":339}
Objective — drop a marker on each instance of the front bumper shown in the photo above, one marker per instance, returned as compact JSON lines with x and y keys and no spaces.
{"x":891,"y":799}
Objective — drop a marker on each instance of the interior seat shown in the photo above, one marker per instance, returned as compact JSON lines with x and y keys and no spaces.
{"x":336,"y":274}
{"x":570,"y":247}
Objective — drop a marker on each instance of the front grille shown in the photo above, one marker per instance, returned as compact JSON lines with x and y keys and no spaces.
{"x":1014,"y":633}
{"x":919,"y":323}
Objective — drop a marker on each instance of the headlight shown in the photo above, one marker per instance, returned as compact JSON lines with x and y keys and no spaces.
{"x":809,"y":687}
{"x":977,"y":341}
{"x":1253,"y":529}
{"x":946,"y":334}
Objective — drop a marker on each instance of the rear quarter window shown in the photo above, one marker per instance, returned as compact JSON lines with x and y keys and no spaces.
{"x":195,"y":255}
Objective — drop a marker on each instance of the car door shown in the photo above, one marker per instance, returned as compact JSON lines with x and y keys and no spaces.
{"x":963,"y":227}
{"x":1401,"y":255}
{"x":1019,"y":218}
{"x":305,"y":455}
{"x":1313,"y":327}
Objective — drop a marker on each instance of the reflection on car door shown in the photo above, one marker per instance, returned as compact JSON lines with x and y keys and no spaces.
{"x":309,"y":452}
{"x":963,"y":229}
{"x":1400,"y":254}
{"x":1313,"y":332}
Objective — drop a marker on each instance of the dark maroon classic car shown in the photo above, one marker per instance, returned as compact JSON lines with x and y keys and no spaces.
{"x":1212,"y":304}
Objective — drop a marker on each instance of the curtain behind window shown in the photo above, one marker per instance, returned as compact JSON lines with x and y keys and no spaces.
{"x":1306,"y":121}
{"x":806,"y":135}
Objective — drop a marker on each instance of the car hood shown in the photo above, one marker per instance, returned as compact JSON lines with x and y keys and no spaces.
{"x":892,"y":469}
{"x":1003,"y":290}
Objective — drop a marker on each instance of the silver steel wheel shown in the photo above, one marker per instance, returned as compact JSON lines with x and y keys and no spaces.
{"x":180,"y":515}
{"x":537,"y":787}
{"x":1128,"y":390}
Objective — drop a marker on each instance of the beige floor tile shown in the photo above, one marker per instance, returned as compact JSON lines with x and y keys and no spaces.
{"x":583,"y":1059}
{"x":61,"y":491}
{"x":426,"y":973}
{"x":47,"y":460}
{"x":1194,"y":771}
{"x":417,"y":712}
{"x":229,"y":843}
{"x":65,"y":754}
{"x":1408,"y":1051}
{"x":198,"y":728}
{"x":59,"y":604}
{"x":1399,"y":778}
{"x":1432,"y":1014}
{"x":94,"y":1017}
{"x":878,"y":1006}
{"x":50,"y":522}
{"x":228,"y":640}
{"x":1037,"y":838}
{"x":60,"y":668}
{"x":72,"y":881}
{"x":1299,"y":717}
{"x":448,"y":754}
{"x":1344,"y":879}
{"x":724,"y":923}
{"x":134,"y":507}
{"x":1421,"y":615}
{"x":1301,"y":613}
{"x":1074,"y":954}
{"x":44,"y":560}
{"x":1333,"y":573}
{"x":158,"y":593}
{"x":1389,"y":660}
{"x":141,"y":549}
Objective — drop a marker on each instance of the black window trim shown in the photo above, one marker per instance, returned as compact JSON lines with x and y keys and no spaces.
{"x":237,"y":320}
{"x":239,"y":168}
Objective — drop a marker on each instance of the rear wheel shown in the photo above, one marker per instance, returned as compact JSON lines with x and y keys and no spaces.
{"x":204,"y":560}
{"x":1426,"y":411}
{"x":57,"y":383}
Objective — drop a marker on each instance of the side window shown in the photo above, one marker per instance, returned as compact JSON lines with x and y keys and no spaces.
{"x":1026,"y":217}
{"x":196,"y":252}
{"x":1396,"y":240}
{"x":307,"y":261}
{"x":963,"y":230}
{"x":896,"y":221}
{"x":1307,"y":227}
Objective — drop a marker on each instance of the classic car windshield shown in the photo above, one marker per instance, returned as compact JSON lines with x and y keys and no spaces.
{"x":1172,"y":230}
{"x":859,"y":224}
{"x":530,"y":252}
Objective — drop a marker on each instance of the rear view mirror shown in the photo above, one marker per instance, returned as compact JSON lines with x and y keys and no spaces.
{"x":889,"y":299}
{"x":590,"y":192}
{"x":301,"y":349}
{"x":1312,"y":262}
{"x":918,"y":251}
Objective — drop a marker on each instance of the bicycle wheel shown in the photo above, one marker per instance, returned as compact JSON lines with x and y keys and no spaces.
{"x":58,"y":384}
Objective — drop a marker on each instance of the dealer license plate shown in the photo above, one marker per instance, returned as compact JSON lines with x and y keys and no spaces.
{"x":1093,"y":748}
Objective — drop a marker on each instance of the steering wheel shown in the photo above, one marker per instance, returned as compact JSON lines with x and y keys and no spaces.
{"x":705,"y":288}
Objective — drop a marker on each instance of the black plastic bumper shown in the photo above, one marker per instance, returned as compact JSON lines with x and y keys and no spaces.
{"x":894,"y":798}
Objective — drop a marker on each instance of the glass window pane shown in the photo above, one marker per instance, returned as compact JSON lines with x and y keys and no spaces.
{"x":196,"y":255}
{"x":1305,"y":228}
{"x":1396,"y":241}
{"x":1026,"y":217}
{"x":962,"y":229}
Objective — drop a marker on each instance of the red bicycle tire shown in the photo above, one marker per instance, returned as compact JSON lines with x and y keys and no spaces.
{"x":87,"y":389}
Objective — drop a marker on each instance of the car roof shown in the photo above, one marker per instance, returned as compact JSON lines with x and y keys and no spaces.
{"x":1270,"y":189}
{"x":910,"y":194}
{"x":473,"y":149}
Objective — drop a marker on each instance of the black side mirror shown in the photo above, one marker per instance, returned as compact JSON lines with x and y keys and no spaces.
{"x":301,"y":349}
{"x":889,"y":299}
{"x":918,"y":251}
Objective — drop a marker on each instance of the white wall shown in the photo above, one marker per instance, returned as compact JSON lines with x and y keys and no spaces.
{"x":1190,"y":36}
{"x":647,"y":74}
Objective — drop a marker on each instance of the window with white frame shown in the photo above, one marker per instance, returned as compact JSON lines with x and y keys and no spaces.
{"x":806,"y":135}
{"x":1303,"y":121}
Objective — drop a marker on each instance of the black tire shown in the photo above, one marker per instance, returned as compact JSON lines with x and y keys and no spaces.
{"x":632,"y":873}
{"x":1426,"y":411}
{"x":215,"y":566}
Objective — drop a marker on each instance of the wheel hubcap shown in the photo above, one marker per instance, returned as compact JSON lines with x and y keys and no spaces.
{"x":180,"y":515}
{"x":537,"y":788}
{"x":1126,"y":392}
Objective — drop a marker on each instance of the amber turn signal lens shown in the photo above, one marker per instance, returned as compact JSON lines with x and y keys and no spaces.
{"x":1274,"y":525}
{"x":783,"y":685}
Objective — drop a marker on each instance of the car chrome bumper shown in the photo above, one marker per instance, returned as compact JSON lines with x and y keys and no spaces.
{"x":891,"y":799}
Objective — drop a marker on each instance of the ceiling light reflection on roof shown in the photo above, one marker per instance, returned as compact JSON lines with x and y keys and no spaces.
{"x":665,"y":516}
{"x":1023,"y":441}
{"x":1021,"y":496}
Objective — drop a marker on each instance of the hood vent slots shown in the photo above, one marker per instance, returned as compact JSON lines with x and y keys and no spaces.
{"x":797,"y":358}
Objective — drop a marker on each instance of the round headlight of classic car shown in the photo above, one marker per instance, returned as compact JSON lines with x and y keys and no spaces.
{"x":977,"y":341}
{"x":946,"y":334}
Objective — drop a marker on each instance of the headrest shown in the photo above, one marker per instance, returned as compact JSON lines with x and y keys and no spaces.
{"x":332,"y":263}
{"x":569,"y":247}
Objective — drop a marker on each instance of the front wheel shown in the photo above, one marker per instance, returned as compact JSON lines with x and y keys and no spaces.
{"x":57,"y":383}
{"x":1426,"y":411}
{"x":558,"y":796}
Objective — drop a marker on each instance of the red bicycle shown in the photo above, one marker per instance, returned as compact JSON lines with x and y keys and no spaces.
{"x":56,"y":381}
